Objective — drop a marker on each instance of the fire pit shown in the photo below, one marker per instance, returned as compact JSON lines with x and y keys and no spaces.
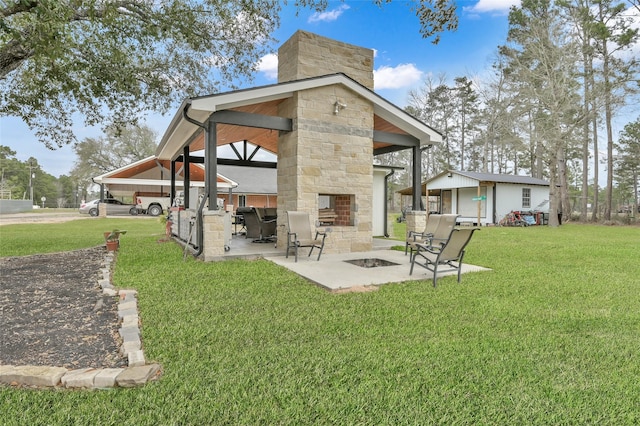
{"x":371,"y":262}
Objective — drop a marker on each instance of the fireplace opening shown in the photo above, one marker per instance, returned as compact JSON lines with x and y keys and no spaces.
{"x":336,"y":209}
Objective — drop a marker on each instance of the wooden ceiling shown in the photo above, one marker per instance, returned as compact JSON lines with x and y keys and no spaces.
{"x":266,"y":138}
{"x":195,"y":173}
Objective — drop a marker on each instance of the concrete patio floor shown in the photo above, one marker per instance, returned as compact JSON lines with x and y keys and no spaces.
{"x":334,"y":273}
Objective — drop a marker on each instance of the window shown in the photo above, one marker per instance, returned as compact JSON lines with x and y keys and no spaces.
{"x":526,"y":198}
{"x":242,"y":200}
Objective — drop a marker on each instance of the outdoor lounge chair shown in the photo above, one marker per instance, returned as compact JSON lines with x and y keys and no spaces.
{"x":450,"y":253}
{"x":267,"y":227}
{"x":251,"y":223}
{"x":299,"y":234}
{"x":420,"y":237}
{"x":440,"y":235}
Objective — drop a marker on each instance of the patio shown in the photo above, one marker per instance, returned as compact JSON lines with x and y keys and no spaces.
{"x":333,"y":272}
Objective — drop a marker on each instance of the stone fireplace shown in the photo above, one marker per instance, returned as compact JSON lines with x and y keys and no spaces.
{"x":325,"y":164}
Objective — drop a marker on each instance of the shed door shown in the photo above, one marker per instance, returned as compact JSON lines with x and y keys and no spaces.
{"x":446,"y":202}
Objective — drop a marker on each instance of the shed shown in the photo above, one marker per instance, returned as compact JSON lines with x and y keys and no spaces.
{"x":485,"y":197}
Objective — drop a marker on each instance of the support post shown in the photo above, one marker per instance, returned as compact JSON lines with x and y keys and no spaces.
{"x":187,"y":177}
{"x":211,"y":164}
{"x":417,"y":177}
{"x":173,"y":182}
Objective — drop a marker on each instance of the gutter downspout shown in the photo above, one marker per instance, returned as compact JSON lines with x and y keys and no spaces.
{"x":200,"y":237}
{"x":386,"y":202}
{"x":423,"y":149}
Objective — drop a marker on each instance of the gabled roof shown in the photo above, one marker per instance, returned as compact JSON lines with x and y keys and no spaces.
{"x":148,"y":174}
{"x":477,"y":177}
{"x":498,"y":178}
{"x":264,"y":100}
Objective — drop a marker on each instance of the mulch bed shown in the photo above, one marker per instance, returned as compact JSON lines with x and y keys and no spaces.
{"x":53,"y":312}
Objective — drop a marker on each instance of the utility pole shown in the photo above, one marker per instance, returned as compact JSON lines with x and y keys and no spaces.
{"x":31,"y":176}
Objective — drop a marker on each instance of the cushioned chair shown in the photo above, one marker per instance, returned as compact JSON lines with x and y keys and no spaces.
{"x":251,"y":223}
{"x":300,"y":235}
{"x":450,"y":253}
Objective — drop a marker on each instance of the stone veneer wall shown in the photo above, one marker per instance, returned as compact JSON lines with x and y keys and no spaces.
{"x":416,"y":221}
{"x":214,"y":241}
{"x":327,"y":153}
{"x":307,"y":55}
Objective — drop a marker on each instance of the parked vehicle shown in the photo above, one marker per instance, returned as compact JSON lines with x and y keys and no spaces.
{"x":114,"y":207}
{"x":152,"y":205}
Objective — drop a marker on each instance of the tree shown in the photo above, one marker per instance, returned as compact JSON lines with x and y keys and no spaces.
{"x":116,"y":149}
{"x":467,"y":103}
{"x":614,"y":34}
{"x":580,"y":13}
{"x":112,"y":60}
{"x":628,"y":161}
{"x":11,"y":173}
{"x":541,"y":58}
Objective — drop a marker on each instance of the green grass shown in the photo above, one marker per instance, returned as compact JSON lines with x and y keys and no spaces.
{"x":550,"y":336}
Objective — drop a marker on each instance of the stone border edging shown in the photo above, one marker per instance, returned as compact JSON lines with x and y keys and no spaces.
{"x":137,"y":373}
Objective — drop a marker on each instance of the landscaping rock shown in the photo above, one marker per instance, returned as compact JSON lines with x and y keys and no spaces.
{"x":106,"y":378}
{"x":82,"y":378}
{"x":136,"y":376}
{"x":31,"y":375}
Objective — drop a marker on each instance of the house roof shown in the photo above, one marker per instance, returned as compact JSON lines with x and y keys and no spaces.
{"x":148,"y":174}
{"x":479,"y":177}
{"x":498,"y":178}
{"x":264,"y":100}
{"x":251,"y":180}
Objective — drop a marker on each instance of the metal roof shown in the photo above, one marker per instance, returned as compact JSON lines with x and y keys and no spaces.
{"x":501,"y":178}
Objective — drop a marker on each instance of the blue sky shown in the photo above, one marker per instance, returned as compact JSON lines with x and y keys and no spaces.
{"x":402,"y":58}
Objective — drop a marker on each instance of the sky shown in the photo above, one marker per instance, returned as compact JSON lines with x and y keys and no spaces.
{"x":402,"y":59}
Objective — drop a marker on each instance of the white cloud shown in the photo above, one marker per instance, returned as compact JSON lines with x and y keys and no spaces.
{"x":403,"y":75}
{"x":329,"y":15}
{"x":268,"y":65}
{"x":487,"y":6}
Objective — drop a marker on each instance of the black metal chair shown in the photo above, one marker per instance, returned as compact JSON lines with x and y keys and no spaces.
{"x":267,"y":227}
{"x":251,"y":223}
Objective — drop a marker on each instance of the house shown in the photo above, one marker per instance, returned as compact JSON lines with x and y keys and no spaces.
{"x":257,"y":186}
{"x":484,"y":198}
{"x":324,"y":123}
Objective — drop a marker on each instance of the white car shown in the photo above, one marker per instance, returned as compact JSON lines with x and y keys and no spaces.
{"x":114,"y":207}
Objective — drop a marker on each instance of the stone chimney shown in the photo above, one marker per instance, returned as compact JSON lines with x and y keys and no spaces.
{"x":307,"y":55}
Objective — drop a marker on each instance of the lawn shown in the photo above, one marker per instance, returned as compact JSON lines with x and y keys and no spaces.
{"x":550,"y":336}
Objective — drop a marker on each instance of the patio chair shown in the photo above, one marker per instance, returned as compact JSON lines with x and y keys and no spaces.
{"x":267,"y":227}
{"x":440,"y":235}
{"x":420,"y":237}
{"x":450,"y":253}
{"x":251,"y":223}
{"x":443,"y":231}
{"x":299,"y":234}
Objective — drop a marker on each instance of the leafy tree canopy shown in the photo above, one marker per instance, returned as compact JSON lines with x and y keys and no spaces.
{"x":96,"y":156}
{"x":113,"y":60}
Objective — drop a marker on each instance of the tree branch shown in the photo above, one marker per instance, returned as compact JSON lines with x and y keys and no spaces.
{"x":18,"y":7}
